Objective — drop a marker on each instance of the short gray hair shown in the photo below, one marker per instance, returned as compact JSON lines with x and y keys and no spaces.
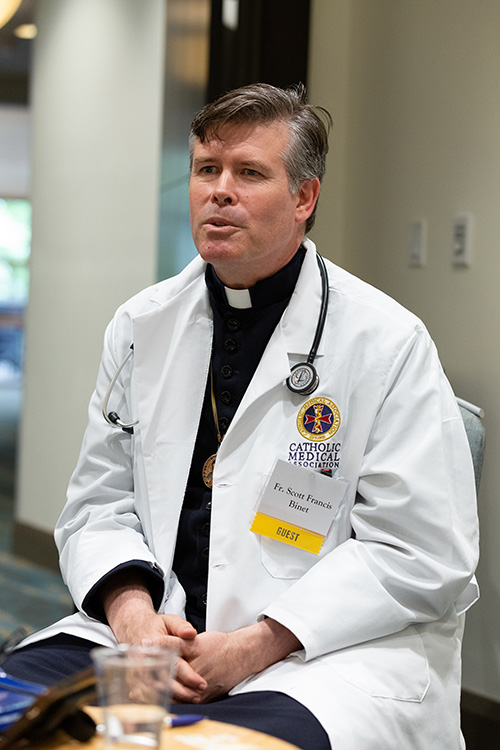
{"x":309,"y":125}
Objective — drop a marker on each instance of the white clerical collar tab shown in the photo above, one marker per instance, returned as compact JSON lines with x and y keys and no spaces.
{"x":239,"y":298}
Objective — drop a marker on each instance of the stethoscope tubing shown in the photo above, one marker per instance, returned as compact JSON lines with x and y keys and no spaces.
{"x":112,"y":417}
{"x":323,"y":310}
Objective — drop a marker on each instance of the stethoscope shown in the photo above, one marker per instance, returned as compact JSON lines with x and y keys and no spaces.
{"x":303,"y":379}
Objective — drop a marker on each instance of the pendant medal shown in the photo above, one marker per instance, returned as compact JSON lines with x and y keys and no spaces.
{"x":208,"y":471}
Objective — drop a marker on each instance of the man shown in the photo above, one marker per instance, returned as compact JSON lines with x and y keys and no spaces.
{"x":308,"y":550}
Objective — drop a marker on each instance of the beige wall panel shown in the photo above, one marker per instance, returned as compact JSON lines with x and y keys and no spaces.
{"x":419,"y":102}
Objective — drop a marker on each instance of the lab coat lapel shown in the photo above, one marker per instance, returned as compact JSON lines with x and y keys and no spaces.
{"x":172,"y":346}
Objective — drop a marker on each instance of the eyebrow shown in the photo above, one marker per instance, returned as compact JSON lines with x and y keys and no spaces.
{"x":203,"y":160}
{"x":259,"y":166}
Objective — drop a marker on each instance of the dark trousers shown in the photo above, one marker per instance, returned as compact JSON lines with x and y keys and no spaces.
{"x":277,"y":714}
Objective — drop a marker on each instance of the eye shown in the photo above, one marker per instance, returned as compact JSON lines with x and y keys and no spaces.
{"x":208,"y":169}
{"x":251,"y":172}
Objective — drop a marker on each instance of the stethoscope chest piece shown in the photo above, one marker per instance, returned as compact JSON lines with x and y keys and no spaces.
{"x":303,"y":379}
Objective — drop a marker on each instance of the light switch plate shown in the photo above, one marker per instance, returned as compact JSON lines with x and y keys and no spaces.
{"x":418,"y":243}
{"x":463,"y":237}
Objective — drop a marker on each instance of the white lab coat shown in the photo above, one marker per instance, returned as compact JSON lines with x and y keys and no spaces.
{"x":378,"y":610}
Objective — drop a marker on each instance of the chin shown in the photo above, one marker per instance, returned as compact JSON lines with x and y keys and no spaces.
{"x":217,"y":253}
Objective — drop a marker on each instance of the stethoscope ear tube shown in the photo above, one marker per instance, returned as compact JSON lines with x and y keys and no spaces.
{"x":112,"y":417}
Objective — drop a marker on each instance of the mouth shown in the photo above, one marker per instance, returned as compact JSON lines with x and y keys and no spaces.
{"x":219,"y":223}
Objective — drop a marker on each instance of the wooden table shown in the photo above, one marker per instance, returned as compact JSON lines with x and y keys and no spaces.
{"x":205,"y":735}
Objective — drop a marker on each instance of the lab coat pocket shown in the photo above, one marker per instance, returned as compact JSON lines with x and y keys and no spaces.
{"x":395,"y":666}
{"x":281,"y":560}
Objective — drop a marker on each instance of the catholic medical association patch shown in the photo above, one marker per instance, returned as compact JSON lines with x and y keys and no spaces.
{"x":318,"y":419}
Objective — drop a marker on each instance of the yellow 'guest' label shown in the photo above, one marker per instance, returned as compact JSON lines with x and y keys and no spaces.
{"x":287,"y":532}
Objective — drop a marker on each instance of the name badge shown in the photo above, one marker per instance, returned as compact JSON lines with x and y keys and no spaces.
{"x":298,"y":506}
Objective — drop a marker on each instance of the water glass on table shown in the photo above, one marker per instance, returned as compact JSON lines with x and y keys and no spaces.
{"x":134,"y":686}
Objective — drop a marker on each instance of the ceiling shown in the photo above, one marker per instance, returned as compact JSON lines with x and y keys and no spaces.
{"x":15,"y":57}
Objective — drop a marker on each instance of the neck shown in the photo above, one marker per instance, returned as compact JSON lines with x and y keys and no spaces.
{"x":266,"y":292}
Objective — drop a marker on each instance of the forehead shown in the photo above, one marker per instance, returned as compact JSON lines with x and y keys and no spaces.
{"x":264,"y":139}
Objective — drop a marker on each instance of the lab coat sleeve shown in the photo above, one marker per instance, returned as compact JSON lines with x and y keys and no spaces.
{"x":100,"y":528}
{"x":415,"y":541}
{"x":92,"y":604}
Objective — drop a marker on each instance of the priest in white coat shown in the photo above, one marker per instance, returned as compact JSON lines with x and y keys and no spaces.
{"x":281,"y":485}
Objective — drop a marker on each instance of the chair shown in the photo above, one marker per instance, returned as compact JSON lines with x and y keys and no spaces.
{"x":474,"y":428}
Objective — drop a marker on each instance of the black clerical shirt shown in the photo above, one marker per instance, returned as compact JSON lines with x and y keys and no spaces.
{"x":240,"y":338}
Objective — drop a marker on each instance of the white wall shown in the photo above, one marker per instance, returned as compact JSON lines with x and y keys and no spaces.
{"x":414,"y":88}
{"x":15,"y":151}
{"x":97,"y":104}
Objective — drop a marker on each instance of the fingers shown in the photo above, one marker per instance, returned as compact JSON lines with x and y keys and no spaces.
{"x":175,"y":625}
{"x":176,"y":633}
{"x":191,"y":679}
{"x":188,"y":686}
{"x":167,"y":641}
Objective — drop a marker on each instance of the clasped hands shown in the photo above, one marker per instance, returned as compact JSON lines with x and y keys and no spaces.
{"x":210,"y":663}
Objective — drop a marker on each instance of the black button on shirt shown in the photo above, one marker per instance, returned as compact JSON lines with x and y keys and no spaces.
{"x":223,"y":425}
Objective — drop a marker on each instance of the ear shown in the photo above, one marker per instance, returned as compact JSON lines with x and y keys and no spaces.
{"x":307,"y":196}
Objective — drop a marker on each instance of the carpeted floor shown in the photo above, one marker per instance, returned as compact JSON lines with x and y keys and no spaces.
{"x":30,"y":596}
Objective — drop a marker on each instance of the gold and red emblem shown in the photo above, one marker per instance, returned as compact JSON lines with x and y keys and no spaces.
{"x":318,"y":419}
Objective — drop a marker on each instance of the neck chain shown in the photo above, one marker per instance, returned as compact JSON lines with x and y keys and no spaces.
{"x":208,"y":466}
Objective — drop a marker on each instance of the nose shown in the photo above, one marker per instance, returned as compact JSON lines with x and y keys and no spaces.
{"x":219,"y":198}
{"x":223,"y":190}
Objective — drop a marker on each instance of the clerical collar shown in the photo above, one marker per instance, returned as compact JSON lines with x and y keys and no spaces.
{"x":238,"y":298}
{"x":264,"y":293}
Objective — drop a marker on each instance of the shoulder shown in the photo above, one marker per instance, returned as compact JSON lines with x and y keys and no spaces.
{"x":362,"y":306}
{"x":184,"y":290}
